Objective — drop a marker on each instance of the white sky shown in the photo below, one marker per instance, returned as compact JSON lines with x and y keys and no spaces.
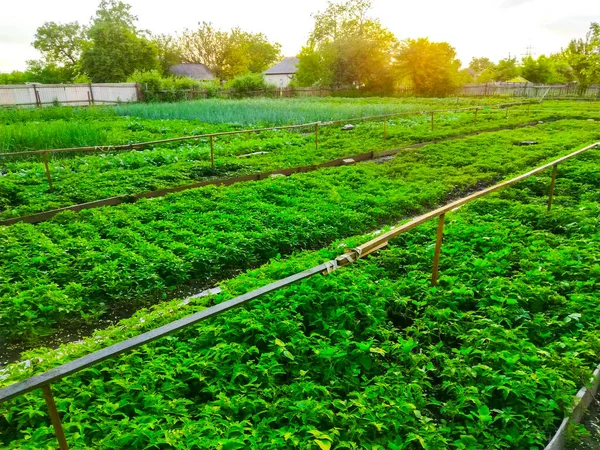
{"x":492,"y":28}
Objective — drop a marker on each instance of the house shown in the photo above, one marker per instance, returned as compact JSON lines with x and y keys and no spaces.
{"x":281,"y":74}
{"x":195,"y":71}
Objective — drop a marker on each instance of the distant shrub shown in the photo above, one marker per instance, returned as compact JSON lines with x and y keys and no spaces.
{"x":247,"y":85}
{"x":157,"y":87}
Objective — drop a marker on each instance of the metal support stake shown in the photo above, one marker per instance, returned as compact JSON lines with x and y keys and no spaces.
{"x":438,"y":249}
{"x":476,"y":111}
{"x":385,"y":128}
{"x":316,"y":136}
{"x":55,"y":418}
{"x":432,"y":121}
{"x":44,"y":155}
{"x":552,"y":184}
{"x":212,"y":152}
{"x":506,"y":117}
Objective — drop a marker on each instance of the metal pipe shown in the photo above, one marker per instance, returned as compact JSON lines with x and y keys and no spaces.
{"x":552,"y":184}
{"x":438,"y":250}
{"x":212,"y":152}
{"x":385,"y":128}
{"x":55,"y":418}
{"x":45,"y":157}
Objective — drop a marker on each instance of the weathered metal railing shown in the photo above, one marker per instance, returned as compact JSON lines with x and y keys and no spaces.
{"x":45,"y":380}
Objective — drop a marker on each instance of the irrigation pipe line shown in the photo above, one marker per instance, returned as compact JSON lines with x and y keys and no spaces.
{"x":44,"y":380}
{"x":129,"y":147}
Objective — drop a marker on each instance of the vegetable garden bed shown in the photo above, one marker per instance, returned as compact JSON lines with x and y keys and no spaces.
{"x":369,"y":356}
{"x":81,"y":265}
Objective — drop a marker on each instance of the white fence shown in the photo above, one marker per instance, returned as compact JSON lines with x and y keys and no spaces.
{"x":68,"y":94}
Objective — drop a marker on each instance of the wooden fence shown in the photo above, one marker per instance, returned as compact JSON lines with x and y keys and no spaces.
{"x":68,"y":94}
{"x":529,"y":90}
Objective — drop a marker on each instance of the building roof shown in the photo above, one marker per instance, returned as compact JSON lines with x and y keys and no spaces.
{"x":288,"y":66}
{"x":195,"y":71}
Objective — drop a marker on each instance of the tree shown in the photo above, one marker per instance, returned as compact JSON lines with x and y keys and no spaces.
{"x":168,"y":52}
{"x":583,"y":55}
{"x":255,"y":49}
{"x":506,"y":69}
{"x":116,"y":48}
{"x":60,"y":44}
{"x":548,"y":70}
{"x":348,"y":49}
{"x":228,"y":54}
{"x":48,"y":73}
{"x":479,"y":65}
{"x":14,"y":77}
{"x":430,"y":67}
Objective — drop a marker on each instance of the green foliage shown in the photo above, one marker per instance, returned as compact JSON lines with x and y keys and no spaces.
{"x":367,"y":357}
{"x":246,"y":85}
{"x":506,"y":69}
{"x":60,"y":44}
{"x":168,"y":52}
{"x":544,"y":70}
{"x":583,"y":55}
{"x":87,"y":177}
{"x":157,"y":87}
{"x":430,"y":67}
{"x":116,"y":48}
{"x":254,"y":112}
{"x":479,"y":65}
{"x":77,"y":266}
{"x":228,"y":54}
{"x":348,"y":49}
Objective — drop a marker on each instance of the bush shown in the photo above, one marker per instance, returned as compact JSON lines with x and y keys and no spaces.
{"x":157,"y":87}
{"x":246,"y":85}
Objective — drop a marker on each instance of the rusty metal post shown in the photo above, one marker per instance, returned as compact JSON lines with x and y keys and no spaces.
{"x":55,"y":418}
{"x":316,"y":137}
{"x":432,"y":121}
{"x":438,"y":250}
{"x":476,"y":111}
{"x":552,"y":184}
{"x":38,"y":100}
{"x":45,"y":157}
{"x":212,"y":152}
{"x":385,"y":128}
{"x":91,"y":93}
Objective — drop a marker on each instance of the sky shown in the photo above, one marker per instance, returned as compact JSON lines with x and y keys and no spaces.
{"x":492,"y":28}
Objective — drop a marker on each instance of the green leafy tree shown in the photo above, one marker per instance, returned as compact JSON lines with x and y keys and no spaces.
{"x":348,"y":49}
{"x":506,"y":69}
{"x":116,"y":48}
{"x":583,"y":56}
{"x":14,"y":77}
{"x":547,"y":70}
{"x":48,"y":73}
{"x":228,"y":54}
{"x":60,"y":44}
{"x":479,"y":65}
{"x":430,"y":67}
{"x":168,"y":52}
